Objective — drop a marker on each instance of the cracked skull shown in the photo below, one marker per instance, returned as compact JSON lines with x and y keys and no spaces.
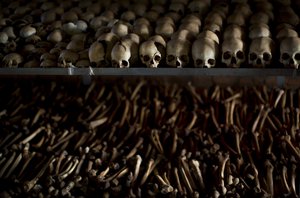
{"x":233,"y":54}
{"x":260,"y":54}
{"x":151,"y":51}
{"x":290,"y":52}
{"x":124,"y":53}
{"x":178,"y":53}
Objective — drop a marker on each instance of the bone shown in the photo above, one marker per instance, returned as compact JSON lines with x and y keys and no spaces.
{"x":261,"y":52}
{"x":233,"y":52}
{"x":178,"y":53}
{"x":204,"y":52}
{"x":153,"y":51}
{"x":290,"y":52}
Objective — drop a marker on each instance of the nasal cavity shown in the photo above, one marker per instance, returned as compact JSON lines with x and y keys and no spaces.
{"x":292,"y":61}
{"x":152,"y":62}
{"x":233,"y":60}
{"x":177,"y":63}
{"x":258,"y":61}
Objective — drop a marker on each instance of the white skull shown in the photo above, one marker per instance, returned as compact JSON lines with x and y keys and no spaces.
{"x":152,"y":51}
{"x":120,"y":28}
{"x":178,"y":51}
{"x":259,"y":30}
{"x":290,"y":52}
{"x":233,"y":53}
{"x":233,"y":31}
{"x":165,"y":29}
{"x":143,"y":30}
{"x":214,"y":17}
{"x":261,"y":52}
{"x":192,"y":27}
{"x":204,"y":53}
{"x":124,"y":53}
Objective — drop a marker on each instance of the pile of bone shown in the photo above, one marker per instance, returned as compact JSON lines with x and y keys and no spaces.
{"x":134,"y":33}
{"x":63,"y":140}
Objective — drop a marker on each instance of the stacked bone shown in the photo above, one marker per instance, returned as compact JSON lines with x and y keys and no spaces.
{"x":148,"y":140}
{"x":132,"y":33}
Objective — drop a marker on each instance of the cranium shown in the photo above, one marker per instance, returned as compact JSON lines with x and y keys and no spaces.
{"x":261,"y":52}
{"x":259,"y":17}
{"x":290,"y":52}
{"x":165,"y":29}
{"x":70,"y":16}
{"x":233,"y":54}
{"x":178,"y":8}
{"x":128,"y":16}
{"x":12,"y":60}
{"x":211,"y":35}
{"x":55,"y":36}
{"x":213,"y":27}
{"x":152,"y":51}
{"x":151,"y":15}
{"x":214,"y":17}
{"x":124,"y":53}
{"x":173,"y":15}
{"x":199,"y":7}
{"x":191,"y":18}
{"x":183,"y":34}
{"x":142,"y":30}
{"x":204,"y":52}
{"x":192,"y":27}
{"x":67,"y":58}
{"x":108,"y":40}
{"x":10,"y":32}
{"x":178,"y":51}
{"x":3,"y":38}
{"x":120,"y":28}
{"x":233,"y":31}
{"x":237,"y":18}
{"x":222,"y":7}
{"x":259,"y":30}
{"x":97,"y":54}
{"x":243,"y":8}
{"x":139,"y":8}
{"x":285,"y":33}
{"x":27,"y":31}
{"x":141,"y":21}
{"x":76,"y":45}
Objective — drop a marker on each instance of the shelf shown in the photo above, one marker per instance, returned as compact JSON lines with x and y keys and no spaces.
{"x":199,"y":77}
{"x":242,"y":72}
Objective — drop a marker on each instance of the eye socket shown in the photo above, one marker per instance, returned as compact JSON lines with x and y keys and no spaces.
{"x":211,"y":61}
{"x":184,"y":58}
{"x":297,"y":56}
{"x":240,"y":55}
{"x":226,"y":55}
{"x":199,"y":62}
{"x":252,"y":56}
{"x":170,"y":58}
{"x":146,"y":58}
{"x":157,"y":58}
{"x":125,"y":63}
{"x":267,"y":56}
{"x":285,"y":56}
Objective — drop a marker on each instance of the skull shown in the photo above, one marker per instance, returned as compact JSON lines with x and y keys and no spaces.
{"x":204,"y":52}
{"x":233,"y":54}
{"x":213,"y":27}
{"x":97,"y":54}
{"x":12,"y":60}
{"x":108,"y":41}
{"x":165,"y":29}
{"x":237,"y":18}
{"x":178,"y":51}
{"x":152,"y":50}
{"x":124,"y":53}
{"x":67,"y":58}
{"x":259,"y":17}
{"x":214,"y":17}
{"x":128,"y":16}
{"x":285,"y":33}
{"x":233,"y":31}
{"x":192,"y":27}
{"x":199,"y":7}
{"x":142,"y":30}
{"x":121,"y":29}
{"x":259,"y":30}
{"x":209,"y":34}
{"x":178,"y":8}
{"x":260,"y":53}
{"x":290,"y":52}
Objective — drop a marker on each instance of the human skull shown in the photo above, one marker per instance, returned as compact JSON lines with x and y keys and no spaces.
{"x":143,"y":30}
{"x":211,"y":35}
{"x":237,"y":18}
{"x":97,"y":54}
{"x":214,"y":17}
{"x":233,"y":53}
{"x":12,"y":60}
{"x":204,"y":53}
{"x":199,"y":7}
{"x":178,"y":51}
{"x":124,"y":53}
{"x":165,"y":29}
{"x":213,"y":27}
{"x":152,"y":51}
{"x":233,"y":31}
{"x":285,"y":33}
{"x":259,"y":17}
{"x":261,"y":52}
{"x":290,"y":52}
{"x":67,"y":58}
{"x":178,"y":8}
{"x":108,"y":40}
{"x":121,"y":29}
